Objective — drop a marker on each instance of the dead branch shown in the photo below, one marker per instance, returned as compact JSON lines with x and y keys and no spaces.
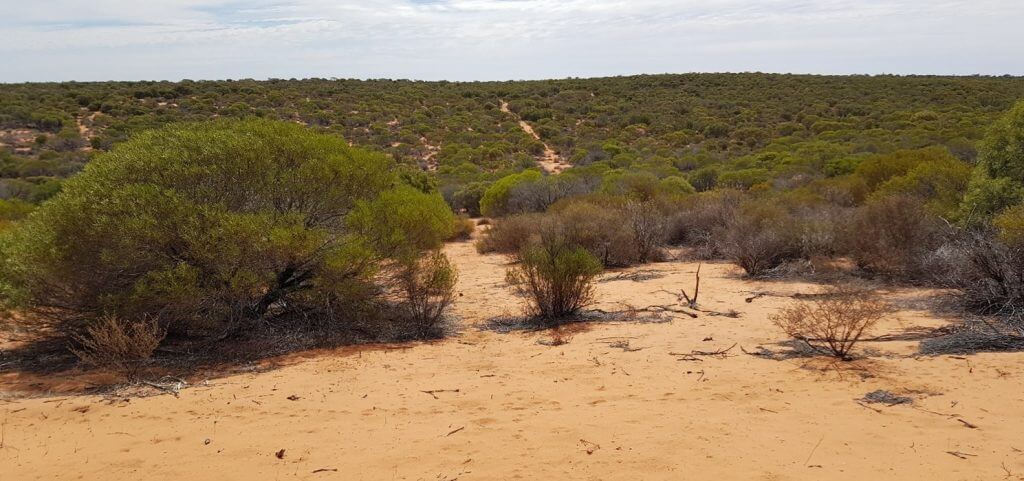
{"x":692,"y":301}
{"x":435,"y":391}
{"x":455,"y":431}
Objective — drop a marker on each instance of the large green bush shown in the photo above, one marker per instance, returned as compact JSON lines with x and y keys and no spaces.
{"x":212,"y":226}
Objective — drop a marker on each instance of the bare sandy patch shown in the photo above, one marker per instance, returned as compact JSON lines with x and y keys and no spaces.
{"x":616,"y":401}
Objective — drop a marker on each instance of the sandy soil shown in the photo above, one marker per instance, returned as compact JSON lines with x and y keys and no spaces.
{"x":550,"y":161}
{"x":489,"y":406}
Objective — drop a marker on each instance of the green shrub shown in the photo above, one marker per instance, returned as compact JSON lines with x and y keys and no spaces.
{"x":495,"y":199}
{"x":209,"y":227}
{"x":555,"y":278}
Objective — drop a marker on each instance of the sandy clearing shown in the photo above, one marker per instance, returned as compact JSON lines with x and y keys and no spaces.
{"x":506,"y":407}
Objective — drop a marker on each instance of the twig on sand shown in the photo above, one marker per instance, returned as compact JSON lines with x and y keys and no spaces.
{"x":809,"y":456}
{"x":961,"y":455}
{"x":969,"y":425}
{"x":435,"y":391}
{"x":324,"y":470}
{"x":455,"y":431}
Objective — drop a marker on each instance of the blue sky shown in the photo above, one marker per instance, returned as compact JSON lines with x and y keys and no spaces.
{"x":46,"y":40}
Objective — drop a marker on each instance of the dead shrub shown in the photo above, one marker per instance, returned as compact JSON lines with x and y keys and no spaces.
{"x":119,"y":346}
{"x":834,"y":321}
{"x":557,"y":279}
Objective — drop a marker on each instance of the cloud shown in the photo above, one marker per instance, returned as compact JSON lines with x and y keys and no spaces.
{"x":503,"y":39}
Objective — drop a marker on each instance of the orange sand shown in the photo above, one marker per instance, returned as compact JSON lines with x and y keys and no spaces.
{"x":506,"y":407}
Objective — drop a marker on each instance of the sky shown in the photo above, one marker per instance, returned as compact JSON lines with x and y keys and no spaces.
{"x":58,"y":40}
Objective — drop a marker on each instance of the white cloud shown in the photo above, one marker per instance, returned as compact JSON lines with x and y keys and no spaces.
{"x":498,"y":39}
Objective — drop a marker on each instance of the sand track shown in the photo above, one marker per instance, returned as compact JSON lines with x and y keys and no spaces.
{"x":506,"y":407}
{"x":550,"y":161}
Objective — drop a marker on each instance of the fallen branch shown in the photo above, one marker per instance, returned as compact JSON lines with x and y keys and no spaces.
{"x":961,"y":455}
{"x":435,"y":391}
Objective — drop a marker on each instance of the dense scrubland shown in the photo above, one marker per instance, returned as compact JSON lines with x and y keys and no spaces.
{"x":132,"y":218}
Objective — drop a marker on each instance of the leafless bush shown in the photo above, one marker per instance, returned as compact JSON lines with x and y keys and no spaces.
{"x":833,"y":322}
{"x":119,"y":346}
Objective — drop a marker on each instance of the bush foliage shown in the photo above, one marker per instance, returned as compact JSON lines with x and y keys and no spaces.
{"x":211,"y":227}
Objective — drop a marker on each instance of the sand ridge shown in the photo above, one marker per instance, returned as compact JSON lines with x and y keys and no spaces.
{"x":611,"y":404}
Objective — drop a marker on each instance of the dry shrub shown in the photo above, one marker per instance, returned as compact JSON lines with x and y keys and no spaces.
{"x":619,"y":235}
{"x":834,"y":321}
{"x":596,"y":228}
{"x":556,"y":279}
{"x":428,"y":288}
{"x":698,"y":217}
{"x":759,"y":237}
{"x":988,"y":272}
{"x":119,"y":346}
{"x":648,"y":228}
{"x":895,"y":236}
{"x":463,"y":228}
{"x":508,"y":235}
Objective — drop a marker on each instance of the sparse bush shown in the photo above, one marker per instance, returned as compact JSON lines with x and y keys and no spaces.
{"x":759,"y":237}
{"x":988,"y":272}
{"x":462,"y":229}
{"x":834,"y":321}
{"x":427,"y":288}
{"x":697,"y":218}
{"x":894,"y":236}
{"x":648,"y":228}
{"x":555,"y":278}
{"x":119,"y":346}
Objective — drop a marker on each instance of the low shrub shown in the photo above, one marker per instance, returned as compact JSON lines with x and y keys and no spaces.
{"x":427,"y":288}
{"x":988,"y":272}
{"x":759,"y":237}
{"x":834,"y":321}
{"x":463,"y":228}
{"x":556,"y":279}
{"x":508,"y":235}
{"x":895,"y":236}
{"x":697,"y":218}
{"x":119,"y":346}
